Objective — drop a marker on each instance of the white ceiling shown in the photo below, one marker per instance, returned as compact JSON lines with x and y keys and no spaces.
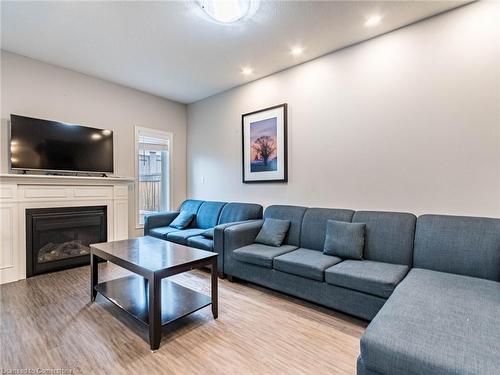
{"x":173,"y":50}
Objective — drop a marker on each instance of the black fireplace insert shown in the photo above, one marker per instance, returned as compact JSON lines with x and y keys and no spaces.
{"x":59,"y":238}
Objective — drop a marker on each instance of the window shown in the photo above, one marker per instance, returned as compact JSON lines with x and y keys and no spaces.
{"x":152,"y":176}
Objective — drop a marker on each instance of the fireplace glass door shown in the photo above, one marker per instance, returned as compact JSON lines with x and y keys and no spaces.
{"x":58,"y":238}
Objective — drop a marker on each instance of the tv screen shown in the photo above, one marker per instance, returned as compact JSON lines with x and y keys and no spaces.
{"x":56,"y":146}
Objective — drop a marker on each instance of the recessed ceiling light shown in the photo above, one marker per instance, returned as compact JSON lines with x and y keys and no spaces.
{"x":296,"y":51}
{"x":373,"y":21}
{"x":246,"y":71}
{"x":96,"y":136}
{"x":106,"y":132}
{"x":225,"y":11}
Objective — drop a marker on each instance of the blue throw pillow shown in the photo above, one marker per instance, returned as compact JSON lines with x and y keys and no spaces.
{"x":182,"y":220}
{"x":273,"y":232}
{"x":344,"y":240}
{"x":209,"y":233}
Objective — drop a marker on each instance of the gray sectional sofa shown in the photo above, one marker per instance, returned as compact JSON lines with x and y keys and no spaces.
{"x":299,"y":267}
{"x":207,"y":214}
{"x":431,"y":285}
{"x":444,"y":317}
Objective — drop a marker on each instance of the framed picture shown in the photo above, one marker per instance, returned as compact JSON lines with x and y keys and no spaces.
{"x":264,"y":145}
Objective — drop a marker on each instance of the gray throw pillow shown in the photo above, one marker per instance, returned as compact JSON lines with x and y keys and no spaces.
{"x":273,"y":232}
{"x":182,"y":220}
{"x":209,"y":233}
{"x":344,"y":240}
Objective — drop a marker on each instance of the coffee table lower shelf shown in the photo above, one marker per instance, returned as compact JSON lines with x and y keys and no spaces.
{"x":131,"y":295}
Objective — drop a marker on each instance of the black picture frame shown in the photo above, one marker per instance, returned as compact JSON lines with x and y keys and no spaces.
{"x":283,"y":172}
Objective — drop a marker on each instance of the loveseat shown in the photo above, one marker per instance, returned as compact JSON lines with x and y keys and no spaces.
{"x":206,"y":215}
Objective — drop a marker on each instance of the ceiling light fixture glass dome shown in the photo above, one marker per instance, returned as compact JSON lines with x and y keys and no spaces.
{"x":225,"y":11}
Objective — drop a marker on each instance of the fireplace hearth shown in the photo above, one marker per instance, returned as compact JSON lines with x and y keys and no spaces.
{"x":59,"y":238}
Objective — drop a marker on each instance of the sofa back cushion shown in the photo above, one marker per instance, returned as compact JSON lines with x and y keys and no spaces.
{"x":388,"y":236}
{"x":208,"y":215}
{"x":235,"y":211}
{"x":190,"y":206}
{"x":457,"y":244}
{"x":292,"y":213}
{"x":313,"y":231}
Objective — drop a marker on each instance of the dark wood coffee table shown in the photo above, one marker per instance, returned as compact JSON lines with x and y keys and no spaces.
{"x":148,"y":296}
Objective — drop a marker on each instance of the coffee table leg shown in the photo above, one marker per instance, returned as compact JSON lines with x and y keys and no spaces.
{"x":154,"y":313}
{"x":93,"y":276}
{"x":214,"y":274}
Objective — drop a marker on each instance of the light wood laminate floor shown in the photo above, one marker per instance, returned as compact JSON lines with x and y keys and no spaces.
{"x":48,"y":322}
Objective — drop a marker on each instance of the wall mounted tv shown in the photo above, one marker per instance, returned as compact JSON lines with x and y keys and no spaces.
{"x":37,"y":144}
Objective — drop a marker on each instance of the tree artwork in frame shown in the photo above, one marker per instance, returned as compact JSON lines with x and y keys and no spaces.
{"x":264,"y":142}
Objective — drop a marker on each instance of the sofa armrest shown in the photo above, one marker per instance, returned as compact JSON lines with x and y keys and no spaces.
{"x":159,"y":219}
{"x":219,"y":231}
{"x":236,"y":236}
{"x":219,"y":243}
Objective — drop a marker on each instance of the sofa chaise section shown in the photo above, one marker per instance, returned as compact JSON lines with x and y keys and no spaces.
{"x":443,"y":318}
{"x":436,"y":323}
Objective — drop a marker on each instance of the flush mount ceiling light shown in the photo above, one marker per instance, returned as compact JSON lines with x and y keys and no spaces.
{"x":226,"y":11}
{"x":246,"y":71}
{"x":373,"y":21}
{"x":296,"y":51}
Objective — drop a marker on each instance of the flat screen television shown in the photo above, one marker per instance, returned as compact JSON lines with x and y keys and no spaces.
{"x":37,"y":144}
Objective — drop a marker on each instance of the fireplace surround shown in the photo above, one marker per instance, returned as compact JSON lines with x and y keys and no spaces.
{"x":20,"y":193}
{"x":58,"y":238}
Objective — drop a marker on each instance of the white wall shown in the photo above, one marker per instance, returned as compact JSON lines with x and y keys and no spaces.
{"x":409,"y":121}
{"x":36,"y":89}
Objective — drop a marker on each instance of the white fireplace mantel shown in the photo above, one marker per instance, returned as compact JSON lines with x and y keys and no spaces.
{"x":21,"y":192}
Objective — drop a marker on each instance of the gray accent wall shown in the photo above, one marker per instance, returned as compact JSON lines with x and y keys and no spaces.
{"x":409,"y":121}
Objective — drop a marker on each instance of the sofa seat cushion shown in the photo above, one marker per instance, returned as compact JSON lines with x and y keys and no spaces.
{"x":436,"y":323}
{"x":261,"y":255}
{"x":201,"y":242}
{"x":162,"y":232}
{"x":181,"y":236}
{"x":306,"y":263}
{"x":367,"y":276}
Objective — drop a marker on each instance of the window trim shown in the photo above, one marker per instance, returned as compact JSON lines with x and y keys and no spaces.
{"x":161,"y":134}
